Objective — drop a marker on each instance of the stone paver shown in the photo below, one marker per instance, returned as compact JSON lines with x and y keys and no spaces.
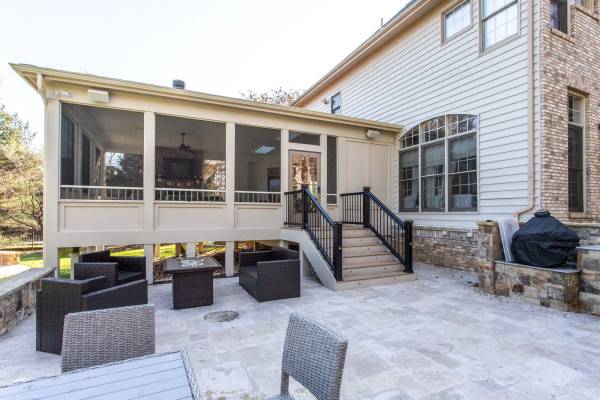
{"x":435,"y":338}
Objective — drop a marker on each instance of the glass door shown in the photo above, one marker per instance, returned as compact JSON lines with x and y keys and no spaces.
{"x":305,"y":169}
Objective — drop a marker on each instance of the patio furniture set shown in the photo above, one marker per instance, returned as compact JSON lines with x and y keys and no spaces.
{"x":104,"y":329}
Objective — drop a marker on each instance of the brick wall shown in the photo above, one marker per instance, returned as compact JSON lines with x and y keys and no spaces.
{"x":569,"y":62}
{"x":447,"y":247}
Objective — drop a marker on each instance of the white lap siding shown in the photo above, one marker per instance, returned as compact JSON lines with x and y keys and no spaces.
{"x":415,"y":77}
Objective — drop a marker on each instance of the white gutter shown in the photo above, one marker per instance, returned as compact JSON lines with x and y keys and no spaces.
{"x":531,"y":94}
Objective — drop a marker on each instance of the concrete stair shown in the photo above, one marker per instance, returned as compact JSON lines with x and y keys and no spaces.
{"x":366,"y":261}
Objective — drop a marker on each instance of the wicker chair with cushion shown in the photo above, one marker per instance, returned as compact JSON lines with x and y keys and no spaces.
{"x":59,"y":297}
{"x":105,"y":336}
{"x":117,"y":269}
{"x":314,"y":356}
{"x":270,"y":275}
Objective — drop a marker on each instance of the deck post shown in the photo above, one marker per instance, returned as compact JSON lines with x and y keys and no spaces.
{"x":149,"y":254}
{"x":229,"y":258}
{"x":230,"y":174}
{"x":149,"y":169}
{"x":52,"y":125}
{"x":408,"y":246}
{"x":190,"y":250}
{"x":366,"y":207}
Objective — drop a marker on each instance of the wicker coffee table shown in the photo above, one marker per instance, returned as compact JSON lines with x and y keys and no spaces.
{"x":192,"y":281}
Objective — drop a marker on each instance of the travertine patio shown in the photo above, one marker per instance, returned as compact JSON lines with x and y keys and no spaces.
{"x":435,"y":338}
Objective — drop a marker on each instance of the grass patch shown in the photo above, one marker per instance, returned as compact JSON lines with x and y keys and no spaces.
{"x":34,"y":259}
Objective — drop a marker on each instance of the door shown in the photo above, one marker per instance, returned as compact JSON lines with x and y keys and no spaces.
{"x":305,"y":169}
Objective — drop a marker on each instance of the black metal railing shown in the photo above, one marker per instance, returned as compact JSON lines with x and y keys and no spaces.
{"x":304,"y":210}
{"x":366,"y":209}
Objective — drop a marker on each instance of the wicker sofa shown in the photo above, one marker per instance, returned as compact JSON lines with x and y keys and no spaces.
{"x":118,"y":270}
{"x":59,"y":297}
{"x":270,"y":275}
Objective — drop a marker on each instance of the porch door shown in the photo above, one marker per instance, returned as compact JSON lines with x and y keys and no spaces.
{"x":305,"y":169}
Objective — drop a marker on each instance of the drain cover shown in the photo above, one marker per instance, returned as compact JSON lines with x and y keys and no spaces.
{"x":221,"y":316}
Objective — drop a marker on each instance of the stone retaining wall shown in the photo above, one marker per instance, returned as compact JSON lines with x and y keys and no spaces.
{"x":588,"y":259}
{"x":17,"y":296}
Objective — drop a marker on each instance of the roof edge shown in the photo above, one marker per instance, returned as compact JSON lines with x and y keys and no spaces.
{"x":25,"y":70}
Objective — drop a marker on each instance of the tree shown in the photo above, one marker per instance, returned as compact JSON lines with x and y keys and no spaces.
{"x":21,"y":177}
{"x":281,"y":96}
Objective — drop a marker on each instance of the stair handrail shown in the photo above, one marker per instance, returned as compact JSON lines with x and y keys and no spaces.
{"x":328,"y":241}
{"x":395,"y":234}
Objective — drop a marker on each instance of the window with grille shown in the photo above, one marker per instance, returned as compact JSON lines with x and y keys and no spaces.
{"x":575,"y":153}
{"x":500,"y":20}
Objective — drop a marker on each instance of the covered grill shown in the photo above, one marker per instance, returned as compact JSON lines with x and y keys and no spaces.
{"x":544,"y":242}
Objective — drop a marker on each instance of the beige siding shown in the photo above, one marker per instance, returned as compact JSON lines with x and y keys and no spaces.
{"x":416,"y":77}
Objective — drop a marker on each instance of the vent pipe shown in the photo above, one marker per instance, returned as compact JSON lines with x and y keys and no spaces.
{"x":178,"y":84}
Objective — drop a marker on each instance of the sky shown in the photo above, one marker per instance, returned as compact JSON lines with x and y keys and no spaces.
{"x":220,"y":46}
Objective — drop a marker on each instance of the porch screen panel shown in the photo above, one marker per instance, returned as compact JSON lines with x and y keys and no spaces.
{"x":85,"y":160}
{"x":257,"y":164}
{"x":67,"y":151}
{"x":331,"y":170}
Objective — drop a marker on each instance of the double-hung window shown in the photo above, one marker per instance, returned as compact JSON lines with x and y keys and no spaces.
{"x":438,"y":165}
{"x":575,"y":153}
{"x":559,"y":11}
{"x":500,"y":21}
{"x":457,"y":20}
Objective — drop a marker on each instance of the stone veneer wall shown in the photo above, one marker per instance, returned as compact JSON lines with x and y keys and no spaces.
{"x":446,"y":247}
{"x":17,"y":296}
{"x":569,"y":63}
{"x":588,"y":259}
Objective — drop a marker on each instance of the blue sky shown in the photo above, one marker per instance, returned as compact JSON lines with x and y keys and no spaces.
{"x":222,"y":47}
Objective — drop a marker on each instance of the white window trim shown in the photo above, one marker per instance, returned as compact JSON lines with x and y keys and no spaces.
{"x":583,"y":146}
{"x":447,"y":138}
{"x":453,"y":7}
{"x":482,"y":22}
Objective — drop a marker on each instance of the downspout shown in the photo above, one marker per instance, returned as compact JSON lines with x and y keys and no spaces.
{"x":531,"y":95}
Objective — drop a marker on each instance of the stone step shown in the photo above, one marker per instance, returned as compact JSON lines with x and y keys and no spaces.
{"x":363,"y":250}
{"x":371,"y":259}
{"x":365,"y":281}
{"x":360,"y":241}
{"x":372,"y":270}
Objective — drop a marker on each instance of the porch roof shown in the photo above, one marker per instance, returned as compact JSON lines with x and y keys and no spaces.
{"x":32,"y":73}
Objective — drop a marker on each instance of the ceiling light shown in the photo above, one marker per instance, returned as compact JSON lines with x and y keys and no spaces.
{"x":264,"y":150}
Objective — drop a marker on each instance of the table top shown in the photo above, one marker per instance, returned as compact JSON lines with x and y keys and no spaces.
{"x":160,"y":376}
{"x":175,"y":265}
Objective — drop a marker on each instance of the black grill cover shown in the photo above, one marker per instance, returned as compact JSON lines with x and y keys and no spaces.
{"x":544,"y":242}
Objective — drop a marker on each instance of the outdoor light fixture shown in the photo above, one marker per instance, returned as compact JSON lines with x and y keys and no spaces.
{"x":98,"y":96}
{"x":264,"y":150}
{"x":371,"y":134}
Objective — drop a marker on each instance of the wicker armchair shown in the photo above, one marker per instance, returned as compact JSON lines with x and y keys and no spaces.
{"x":314,"y":356}
{"x":118,"y":270}
{"x":104,"y":336}
{"x":59,"y":297}
{"x":270,"y":275}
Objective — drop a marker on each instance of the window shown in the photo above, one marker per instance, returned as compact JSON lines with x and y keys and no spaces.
{"x":409,"y":180}
{"x":331,"y":170}
{"x":559,"y":15}
{"x":336,"y":103}
{"x":500,"y":21}
{"x":426,"y":169}
{"x":584,"y":3}
{"x":575,"y":153}
{"x":304,"y":138}
{"x":457,"y":19}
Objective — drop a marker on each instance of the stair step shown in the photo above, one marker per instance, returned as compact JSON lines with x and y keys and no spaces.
{"x":373,"y":264}
{"x":348,"y":261}
{"x":360,"y":241}
{"x":350,"y":233}
{"x":363,"y":250}
{"x":364,"y":281}
{"x":374,"y":270}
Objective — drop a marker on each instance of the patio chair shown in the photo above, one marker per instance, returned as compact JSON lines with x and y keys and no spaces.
{"x":117,"y":269}
{"x":270,"y":275}
{"x":314,"y":356}
{"x":103,"y":336}
{"x":59,"y":297}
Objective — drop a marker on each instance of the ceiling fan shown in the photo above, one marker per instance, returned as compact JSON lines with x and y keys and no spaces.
{"x":185,"y":147}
